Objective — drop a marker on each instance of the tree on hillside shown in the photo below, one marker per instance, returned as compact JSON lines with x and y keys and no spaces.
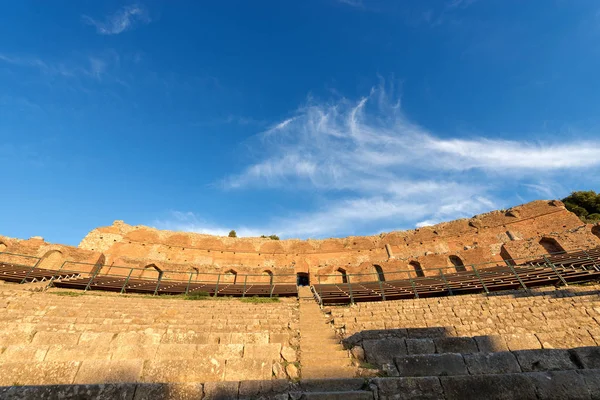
{"x":232,"y":233}
{"x":584,"y":204}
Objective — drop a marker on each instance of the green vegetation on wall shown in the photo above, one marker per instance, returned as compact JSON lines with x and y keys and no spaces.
{"x":584,"y":204}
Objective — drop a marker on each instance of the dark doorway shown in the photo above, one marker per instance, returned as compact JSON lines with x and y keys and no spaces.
{"x":459,"y":266}
{"x":380,"y":274}
{"x":342,"y":272}
{"x":551,"y":245}
{"x":506,"y":256}
{"x":417,"y":267}
{"x":302,"y":279}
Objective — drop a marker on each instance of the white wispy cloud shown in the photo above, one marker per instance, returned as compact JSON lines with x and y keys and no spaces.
{"x":122,"y":20}
{"x":93,"y":66}
{"x":352,"y":3}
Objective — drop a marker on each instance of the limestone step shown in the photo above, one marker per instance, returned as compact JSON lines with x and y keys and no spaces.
{"x":314,"y":372}
{"x":326,"y":362}
{"x":354,"y":395}
{"x":329,"y":355}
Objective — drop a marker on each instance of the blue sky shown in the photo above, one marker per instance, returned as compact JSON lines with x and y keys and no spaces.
{"x":311,"y":118}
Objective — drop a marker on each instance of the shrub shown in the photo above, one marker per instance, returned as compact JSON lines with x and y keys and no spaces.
{"x":196,"y":296}
{"x":232,"y":233}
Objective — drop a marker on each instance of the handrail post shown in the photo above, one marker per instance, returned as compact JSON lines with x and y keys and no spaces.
{"x":217,"y":286}
{"x":591,"y":259}
{"x":96,"y":272}
{"x":158,"y":283}
{"x":412,"y":283}
{"x":480,"y":280}
{"x":446,"y":282}
{"x":381,"y":288}
{"x":512,"y":268}
{"x":187,"y":288}
{"x":57,"y":273}
{"x":548,"y":262}
{"x":126,"y":281}
{"x":350,"y":289}
{"x":30,"y":271}
{"x":245,"y":281}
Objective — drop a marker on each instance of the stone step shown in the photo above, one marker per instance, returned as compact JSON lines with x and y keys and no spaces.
{"x":314,"y":372}
{"x":353,"y":395}
{"x":321,"y":355}
{"x":326,"y":362}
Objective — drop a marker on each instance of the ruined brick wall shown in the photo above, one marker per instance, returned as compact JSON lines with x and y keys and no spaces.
{"x":475,"y":241}
{"x":486,"y":238}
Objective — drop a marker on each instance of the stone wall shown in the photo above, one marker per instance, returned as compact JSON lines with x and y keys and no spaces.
{"x":487,"y":238}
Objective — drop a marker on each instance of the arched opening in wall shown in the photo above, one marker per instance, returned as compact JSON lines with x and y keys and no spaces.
{"x":551,"y":246}
{"x":459,"y":266}
{"x":53,"y":259}
{"x":380,"y":274}
{"x":151,"y":271}
{"x":230,"y":276}
{"x":506,"y":256}
{"x":417,"y":267}
{"x":3,"y":246}
{"x":343,"y":275}
{"x":269,"y":276}
{"x":595,"y":231}
{"x":302,"y":279}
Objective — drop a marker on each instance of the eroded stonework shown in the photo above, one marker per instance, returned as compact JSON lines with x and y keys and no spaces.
{"x":491,"y":237}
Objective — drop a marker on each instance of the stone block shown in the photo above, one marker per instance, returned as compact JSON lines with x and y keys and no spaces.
{"x":248,"y":369}
{"x":38,"y":373}
{"x":358,"y":395}
{"x":333,"y":385}
{"x":462,"y":345}
{"x":24,"y":353}
{"x":544,"y":360}
{"x":431,"y":365}
{"x":95,"y":338}
{"x":290,"y":355}
{"x":269,"y":351}
{"x":525,"y":341}
{"x":76,"y":352}
{"x":120,"y":391}
{"x":168,"y":391}
{"x":420,"y":346}
{"x":181,"y":371}
{"x":187,"y":337}
{"x":491,"y":363}
{"x":490,"y":343}
{"x":588,"y":357}
{"x":221,"y":390}
{"x":488,"y":387}
{"x":383,"y":351}
{"x":133,"y":351}
{"x":591,"y":378}
{"x":101,"y":371}
{"x":170,"y":351}
{"x":47,"y":338}
{"x":425,"y":388}
{"x":559,"y":385}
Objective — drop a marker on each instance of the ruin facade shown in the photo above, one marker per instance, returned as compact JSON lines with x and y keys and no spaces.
{"x":527,"y":230}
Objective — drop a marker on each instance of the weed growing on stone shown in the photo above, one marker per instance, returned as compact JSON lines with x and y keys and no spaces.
{"x":259,"y":300}
{"x":69,"y":294}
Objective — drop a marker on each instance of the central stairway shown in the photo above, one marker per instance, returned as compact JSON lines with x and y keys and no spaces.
{"x":321,"y":354}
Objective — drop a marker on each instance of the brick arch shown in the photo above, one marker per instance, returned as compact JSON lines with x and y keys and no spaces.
{"x":267,"y":276}
{"x":152,"y":271}
{"x":379,"y":272}
{"x":52,"y":259}
{"x":551,"y":245}
{"x":3,"y":247}
{"x":417,"y":267}
{"x":458,"y":263}
{"x":229,"y":276}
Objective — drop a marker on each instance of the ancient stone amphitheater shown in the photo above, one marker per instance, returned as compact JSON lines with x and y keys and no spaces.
{"x":504,"y":305}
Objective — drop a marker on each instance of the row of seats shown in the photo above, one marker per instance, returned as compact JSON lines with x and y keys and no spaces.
{"x":76,"y":280}
{"x":571,"y":267}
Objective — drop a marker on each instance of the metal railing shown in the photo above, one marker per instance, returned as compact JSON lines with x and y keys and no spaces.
{"x":372,"y":286}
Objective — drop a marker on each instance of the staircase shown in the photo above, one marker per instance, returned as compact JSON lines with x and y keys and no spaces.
{"x":321,"y":354}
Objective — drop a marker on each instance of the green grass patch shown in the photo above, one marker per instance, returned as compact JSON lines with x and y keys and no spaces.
{"x":259,"y":300}
{"x":68,"y":294}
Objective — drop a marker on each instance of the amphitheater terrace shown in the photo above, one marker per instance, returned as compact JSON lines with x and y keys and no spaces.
{"x":500,"y":306}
